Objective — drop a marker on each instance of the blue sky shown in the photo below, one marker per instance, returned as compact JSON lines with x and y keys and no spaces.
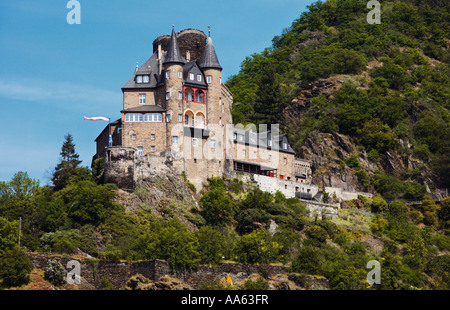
{"x":52,"y":73}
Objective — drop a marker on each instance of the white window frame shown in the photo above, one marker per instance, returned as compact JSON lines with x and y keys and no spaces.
{"x":153,"y":149}
{"x":199,"y":77}
{"x":208,"y":79}
{"x":284,"y":145}
{"x":174,"y":139}
{"x":180,"y":117}
{"x":139,"y":79}
{"x":133,"y":137}
{"x":192,"y":76}
{"x":142,"y":98}
{"x":140,"y":151}
{"x":133,"y":118}
{"x":145,"y":78}
{"x":180,"y":74}
{"x":153,"y":118}
{"x":168,"y":95}
{"x":152,"y":137}
{"x":194,"y":142}
{"x":167,"y":74}
{"x":213,"y":143}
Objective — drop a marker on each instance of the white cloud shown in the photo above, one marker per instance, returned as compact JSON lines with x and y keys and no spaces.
{"x":73,"y":96}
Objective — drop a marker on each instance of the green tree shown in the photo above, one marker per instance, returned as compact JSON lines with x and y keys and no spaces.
{"x":177,"y":245}
{"x":15,"y":267}
{"x":68,"y":167}
{"x":89,"y":203}
{"x":217,"y":207}
{"x":257,"y":247}
{"x":211,"y":244}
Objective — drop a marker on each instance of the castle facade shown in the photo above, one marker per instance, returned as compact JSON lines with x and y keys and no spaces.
{"x":177,"y":113}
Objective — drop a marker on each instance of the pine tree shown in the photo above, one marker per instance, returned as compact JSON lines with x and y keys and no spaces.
{"x":68,"y":166}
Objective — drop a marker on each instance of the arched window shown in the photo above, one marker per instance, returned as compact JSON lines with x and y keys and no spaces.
{"x":188,"y":94}
{"x":189,"y":118}
{"x":194,"y":95}
{"x":200,"y":120}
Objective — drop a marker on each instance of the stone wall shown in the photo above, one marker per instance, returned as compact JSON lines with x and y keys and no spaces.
{"x":118,"y":273}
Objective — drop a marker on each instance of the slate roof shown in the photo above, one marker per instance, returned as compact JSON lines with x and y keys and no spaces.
{"x":192,"y":67}
{"x":173,"y":54}
{"x":147,"y":108}
{"x":209,"y":58}
{"x":149,"y":68}
{"x":260,"y":139}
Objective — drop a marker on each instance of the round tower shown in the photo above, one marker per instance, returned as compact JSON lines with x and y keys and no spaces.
{"x":173,"y":76}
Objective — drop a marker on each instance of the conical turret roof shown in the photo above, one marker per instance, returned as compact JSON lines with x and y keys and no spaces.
{"x":209,"y":58}
{"x":173,"y":54}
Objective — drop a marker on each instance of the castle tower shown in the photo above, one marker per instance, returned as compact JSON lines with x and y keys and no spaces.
{"x":173,"y":76}
{"x":218,"y":109}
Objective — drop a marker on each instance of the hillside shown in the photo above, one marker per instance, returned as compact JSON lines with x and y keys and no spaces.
{"x":383,"y":87}
{"x":367,"y":104}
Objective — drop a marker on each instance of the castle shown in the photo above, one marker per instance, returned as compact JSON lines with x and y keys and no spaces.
{"x":177,"y":116}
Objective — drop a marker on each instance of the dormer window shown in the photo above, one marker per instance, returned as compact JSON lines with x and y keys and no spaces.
{"x":199,"y":78}
{"x":191,"y":76}
{"x":142,"y":79}
{"x":285,"y":145}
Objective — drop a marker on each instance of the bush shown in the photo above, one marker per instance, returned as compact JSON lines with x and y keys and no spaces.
{"x":316,"y":232}
{"x":55,"y":273}
{"x":259,"y":284}
{"x":217,"y":207}
{"x":15,"y":267}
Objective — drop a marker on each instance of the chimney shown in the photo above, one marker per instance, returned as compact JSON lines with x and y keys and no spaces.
{"x":159,"y":59}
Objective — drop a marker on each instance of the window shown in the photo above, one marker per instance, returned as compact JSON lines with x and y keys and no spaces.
{"x":194,"y":142}
{"x":270,"y":157}
{"x":241,"y":137}
{"x":180,"y":95}
{"x":285,"y":160}
{"x":152,"y":137}
{"x":180,"y":74}
{"x":153,"y":149}
{"x":168,"y":118}
{"x":191,"y":76}
{"x":140,"y":150}
{"x":208,"y":79}
{"x":254,"y":154}
{"x":285,"y":145}
{"x":142,"y":79}
{"x":142,"y":98}
{"x":213,"y":144}
{"x":243,"y":153}
{"x":133,"y":117}
{"x":175,"y":139}
{"x":153,"y":117}
{"x":235,"y":136}
{"x":133,"y":137}
{"x":269,"y":142}
{"x":167,"y":95}
{"x":180,"y":117}
{"x":199,"y":78}
{"x":167,"y":74}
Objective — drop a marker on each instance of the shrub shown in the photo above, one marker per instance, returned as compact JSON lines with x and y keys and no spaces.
{"x":316,"y":232}
{"x":259,"y":284}
{"x":55,"y":273}
{"x":217,"y":207}
{"x":15,"y":267}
